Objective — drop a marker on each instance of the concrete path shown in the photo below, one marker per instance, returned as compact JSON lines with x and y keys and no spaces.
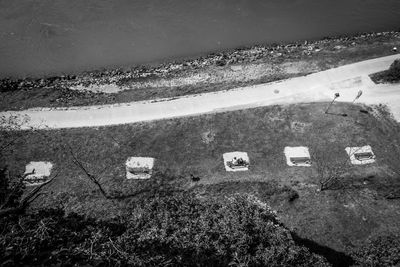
{"x":321,"y":86}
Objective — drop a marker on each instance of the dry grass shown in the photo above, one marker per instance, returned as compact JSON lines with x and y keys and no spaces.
{"x":334,"y":218}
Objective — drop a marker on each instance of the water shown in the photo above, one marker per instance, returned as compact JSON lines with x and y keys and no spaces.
{"x":42,"y":37}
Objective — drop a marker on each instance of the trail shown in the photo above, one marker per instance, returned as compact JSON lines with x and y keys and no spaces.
{"x":317,"y":87}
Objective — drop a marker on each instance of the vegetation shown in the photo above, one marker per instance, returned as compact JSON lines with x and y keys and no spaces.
{"x":382,"y":250}
{"x":392,"y":75}
{"x":10,"y":191}
{"x":331,"y":162}
{"x":181,"y":151}
{"x":390,"y":154}
{"x":49,"y":237}
{"x":178,"y":230}
{"x":94,"y":185}
{"x":11,"y":186}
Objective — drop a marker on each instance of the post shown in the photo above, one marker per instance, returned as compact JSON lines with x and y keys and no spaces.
{"x":334,"y":98}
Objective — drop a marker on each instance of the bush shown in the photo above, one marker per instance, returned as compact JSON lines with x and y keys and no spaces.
{"x":51,"y":238}
{"x":182,"y":230}
{"x":178,"y":230}
{"x":391,"y":75}
{"x":394,"y":71}
{"x":11,"y":190}
{"x":379,"y":251}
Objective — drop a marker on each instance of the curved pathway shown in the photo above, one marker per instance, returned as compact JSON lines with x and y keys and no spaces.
{"x":321,"y":86}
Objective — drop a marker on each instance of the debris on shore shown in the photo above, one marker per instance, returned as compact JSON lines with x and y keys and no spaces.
{"x":120,"y":76}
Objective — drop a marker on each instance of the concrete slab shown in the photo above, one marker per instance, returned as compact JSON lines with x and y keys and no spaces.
{"x":231,"y":156}
{"x":139,"y":167}
{"x":42,"y":171}
{"x":297,"y":156}
{"x":361,"y":155}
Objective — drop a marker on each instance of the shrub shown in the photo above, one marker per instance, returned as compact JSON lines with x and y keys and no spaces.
{"x":379,"y":251}
{"x":51,"y":238}
{"x":182,"y":230}
{"x":395,"y":68}
{"x":391,"y":75}
{"x":178,"y":230}
{"x":11,"y":190}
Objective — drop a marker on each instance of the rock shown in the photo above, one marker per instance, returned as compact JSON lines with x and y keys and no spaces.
{"x":236,"y":68}
{"x":338,"y":47}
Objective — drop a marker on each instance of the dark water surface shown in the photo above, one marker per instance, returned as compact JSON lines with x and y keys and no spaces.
{"x":54,"y":36}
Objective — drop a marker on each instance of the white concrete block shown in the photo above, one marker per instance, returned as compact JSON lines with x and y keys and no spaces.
{"x":139,"y":167}
{"x":42,"y":171}
{"x":361,"y":155}
{"x":297,"y":156}
{"x":228,"y":157}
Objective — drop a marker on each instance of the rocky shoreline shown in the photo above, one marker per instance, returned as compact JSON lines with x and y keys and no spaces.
{"x":256,"y":53}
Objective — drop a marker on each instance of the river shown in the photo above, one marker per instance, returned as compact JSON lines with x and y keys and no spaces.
{"x":44,"y":37}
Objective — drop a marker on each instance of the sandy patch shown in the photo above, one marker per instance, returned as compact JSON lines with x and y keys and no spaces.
{"x":360,"y":155}
{"x":101,"y":88}
{"x":236,"y":67}
{"x":212,"y":75}
{"x":299,"y":67}
{"x":297,"y":156}
{"x":42,"y":171}
{"x":139,"y":167}
{"x":230,"y":156}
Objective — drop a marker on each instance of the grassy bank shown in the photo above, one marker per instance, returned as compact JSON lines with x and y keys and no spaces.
{"x":221,"y":71}
{"x":194,"y":146}
{"x":392,"y":75}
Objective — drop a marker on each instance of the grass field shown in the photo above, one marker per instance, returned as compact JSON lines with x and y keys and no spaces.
{"x":194,"y":145}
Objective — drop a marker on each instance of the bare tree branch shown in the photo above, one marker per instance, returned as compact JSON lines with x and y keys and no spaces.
{"x":26,"y":201}
{"x":32,"y":195}
{"x":14,"y":190}
{"x":107,"y":195}
{"x":88,"y":174}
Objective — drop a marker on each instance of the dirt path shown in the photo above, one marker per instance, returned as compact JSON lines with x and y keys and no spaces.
{"x":321,"y":86}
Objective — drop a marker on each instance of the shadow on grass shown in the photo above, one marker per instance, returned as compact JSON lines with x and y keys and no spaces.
{"x":336,"y":258}
{"x":337,"y":114}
